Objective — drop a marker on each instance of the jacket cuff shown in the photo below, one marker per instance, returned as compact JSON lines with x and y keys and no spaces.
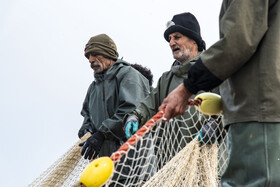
{"x":200,"y":78}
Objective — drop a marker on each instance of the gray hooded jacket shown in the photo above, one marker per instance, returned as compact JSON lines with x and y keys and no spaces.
{"x":113,"y":94}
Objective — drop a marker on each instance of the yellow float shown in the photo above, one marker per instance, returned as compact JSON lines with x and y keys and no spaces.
{"x":97,"y":172}
{"x":211,"y":103}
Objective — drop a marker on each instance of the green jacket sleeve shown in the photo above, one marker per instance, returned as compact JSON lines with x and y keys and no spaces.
{"x":149,"y":106}
{"x":132,"y":89}
{"x":87,"y":123}
{"x":242,"y":27}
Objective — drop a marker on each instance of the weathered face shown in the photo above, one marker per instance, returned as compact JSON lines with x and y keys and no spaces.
{"x":99,"y":63}
{"x":183,"y":48}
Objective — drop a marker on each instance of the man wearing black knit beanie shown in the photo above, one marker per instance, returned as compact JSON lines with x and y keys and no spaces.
{"x":245,"y":64}
{"x":186,"y":44}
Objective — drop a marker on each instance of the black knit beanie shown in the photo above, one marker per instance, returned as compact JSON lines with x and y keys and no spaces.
{"x":186,"y":24}
{"x":102,"y":45}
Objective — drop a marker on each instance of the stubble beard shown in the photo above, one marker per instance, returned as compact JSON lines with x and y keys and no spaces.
{"x":182,"y":56}
{"x":96,"y":68}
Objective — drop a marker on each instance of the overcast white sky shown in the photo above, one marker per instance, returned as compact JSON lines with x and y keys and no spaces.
{"x":44,"y":75}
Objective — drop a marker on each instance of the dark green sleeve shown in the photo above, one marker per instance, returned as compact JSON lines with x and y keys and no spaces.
{"x":243,"y":24}
{"x":87,"y":123}
{"x":242,"y":27}
{"x":132,"y":89}
{"x":149,"y":106}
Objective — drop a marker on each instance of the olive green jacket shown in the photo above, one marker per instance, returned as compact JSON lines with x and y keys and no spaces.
{"x":113,"y":94}
{"x":167,"y":82}
{"x":247,"y":59}
{"x":149,"y":107}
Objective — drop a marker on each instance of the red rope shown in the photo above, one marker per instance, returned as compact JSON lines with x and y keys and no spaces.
{"x":194,"y":102}
{"x":144,"y":130}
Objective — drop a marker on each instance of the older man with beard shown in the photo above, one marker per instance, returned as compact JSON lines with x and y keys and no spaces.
{"x":117,"y":89}
{"x":183,"y":35}
{"x":185,"y":41}
{"x":245,"y":63}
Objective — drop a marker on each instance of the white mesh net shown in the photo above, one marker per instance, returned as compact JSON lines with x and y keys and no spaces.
{"x":168,"y":154}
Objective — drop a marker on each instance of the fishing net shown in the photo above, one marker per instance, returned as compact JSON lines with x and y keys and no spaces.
{"x":158,"y":154}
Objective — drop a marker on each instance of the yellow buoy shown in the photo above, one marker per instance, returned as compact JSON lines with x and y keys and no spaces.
{"x":97,"y":172}
{"x":211,"y":103}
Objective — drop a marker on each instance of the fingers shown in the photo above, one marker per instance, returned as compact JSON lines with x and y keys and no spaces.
{"x":128,"y":135}
{"x":89,"y":153}
{"x":163,"y":105}
{"x":91,"y":147}
{"x":95,"y":154}
{"x":168,"y":113}
{"x":135,"y":127}
{"x":176,"y":102}
{"x":87,"y":150}
{"x":173,"y":109}
{"x":172,"y":112}
{"x":128,"y":130}
{"x":85,"y":145}
{"x":81,"y":144}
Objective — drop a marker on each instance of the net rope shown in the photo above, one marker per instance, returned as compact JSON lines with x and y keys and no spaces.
{"x":158,"y":154}
{"x":66,"y":170}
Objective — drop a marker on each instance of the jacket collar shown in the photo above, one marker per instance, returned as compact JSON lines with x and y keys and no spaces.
{"x":111,"y":72}
{"x":180,"y":69}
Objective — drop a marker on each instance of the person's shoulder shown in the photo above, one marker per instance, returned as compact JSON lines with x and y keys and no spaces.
{"x":122,"y":66}
{"x":122,"y":63}
{"x":121,"y":69}
{"x":91,"y":86}
{"x":166,"y":74}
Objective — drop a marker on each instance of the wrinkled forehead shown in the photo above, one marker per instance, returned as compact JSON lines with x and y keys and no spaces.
{"x":177,"y":35}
